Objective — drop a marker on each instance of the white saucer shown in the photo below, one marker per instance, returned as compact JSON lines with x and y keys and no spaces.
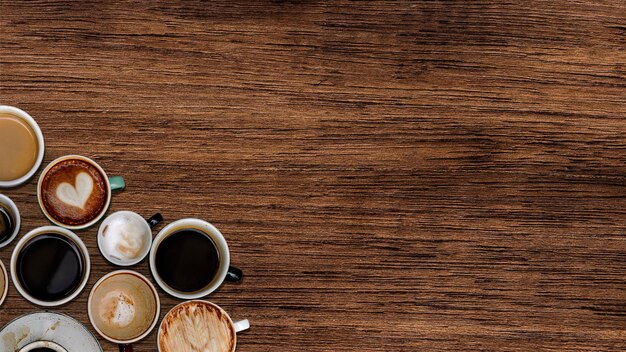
{"x":62,"y":329}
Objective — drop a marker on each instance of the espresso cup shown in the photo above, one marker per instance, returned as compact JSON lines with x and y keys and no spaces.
{"x":10,"y":220}
{"x":21,"y":146}
{"x":125,"y":238}
{"x":123,"y":307}
{"x":199,"y":326}
{"x":190,"y":259}
{"x":74,"y":191}
{"x":43,"y":346}
{"x":50,"y":266}
{"x":4,"y":283}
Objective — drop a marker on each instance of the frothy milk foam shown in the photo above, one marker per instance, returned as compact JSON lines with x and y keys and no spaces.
{"x":78,"y":194}
{"x":117,"y":308}
{"x":196,"y":326}
{"x":123,"y":306}
{"x":124,"y":237}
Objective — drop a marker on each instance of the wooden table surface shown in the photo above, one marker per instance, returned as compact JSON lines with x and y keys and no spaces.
{"x":391,"y":176}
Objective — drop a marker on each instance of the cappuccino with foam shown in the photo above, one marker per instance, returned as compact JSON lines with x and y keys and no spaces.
{"x":199,"y":326}
{"x":73,"y":192}
{"x":123,"y":306}
{"x":124,"y":237}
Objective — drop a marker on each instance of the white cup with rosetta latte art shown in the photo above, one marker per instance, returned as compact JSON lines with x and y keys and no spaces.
{"x":199,"y":326}
{"x":74,"y":191}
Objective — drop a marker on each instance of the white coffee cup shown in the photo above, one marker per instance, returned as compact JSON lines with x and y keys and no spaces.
{"x":145,"y":236}
{"x":206,"y":321}
{"x":224,"y":272}
{"x":4,"y":289}
{"x":140,"y":290}
{"x":112,"y":184}
{"x":57,"y":231}
{"x":9,"y":205}
{"x":43,"y":344}
{"x":58,"y":328}
{"x":35,"y":127}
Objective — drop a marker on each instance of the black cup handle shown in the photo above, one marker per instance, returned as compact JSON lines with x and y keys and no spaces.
{"x":234,"y":274}
{"x":155,"y":220}
{"x":126,"y":348}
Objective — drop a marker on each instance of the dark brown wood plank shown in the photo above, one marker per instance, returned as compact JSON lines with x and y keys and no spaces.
{"x":391,"y":175}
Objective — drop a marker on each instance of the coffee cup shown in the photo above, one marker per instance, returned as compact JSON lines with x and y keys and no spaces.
{"x":21,"y":146}
{"x":10,"y":220}
{"x":125,"y":237}
{"x":190,"y":259}
{"x":43,"y":346}
{"x":123,"y":307}
{"x":199,"y":326}
{"x":33,"y":330}
{"x":50,"y":266}
{"x":74,"y":191}
{"x":4,"y":282}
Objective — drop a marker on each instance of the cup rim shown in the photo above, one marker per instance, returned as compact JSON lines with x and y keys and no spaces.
{"x":221,"y":243}
{"x":40,"y":153}
{"x":154,"y":292}
{"x":230,"y":320}
{"x":18,"y":219}
{"x":146,"y":249}
{"x":3,"y":272}
{"x":43,"y":343}
{"x":106,"y":181}
{"x":34,"y":233}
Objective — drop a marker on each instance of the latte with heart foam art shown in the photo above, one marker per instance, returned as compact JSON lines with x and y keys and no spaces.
{"x":73,"y":192}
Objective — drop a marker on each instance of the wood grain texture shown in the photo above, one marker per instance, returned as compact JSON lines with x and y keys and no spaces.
{"x":390,"y":175}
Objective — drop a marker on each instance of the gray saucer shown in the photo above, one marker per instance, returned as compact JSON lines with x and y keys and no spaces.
{"x":59,"y":328}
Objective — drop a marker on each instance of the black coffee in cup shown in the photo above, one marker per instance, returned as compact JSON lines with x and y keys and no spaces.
{"x":187,"y":260}
{"x":6,"y":224}
{"x":42,"y":346}
{"x":50,"y":267}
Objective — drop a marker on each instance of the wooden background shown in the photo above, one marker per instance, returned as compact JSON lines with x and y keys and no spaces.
{"x":391,"y":176}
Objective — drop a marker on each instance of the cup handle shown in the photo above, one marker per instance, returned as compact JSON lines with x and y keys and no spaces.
{"x":117,"y":183}
{"x":234,"y":274}
{"x":126,"y":348}
{"x":241,"y":325}
{"x":154,"y":220}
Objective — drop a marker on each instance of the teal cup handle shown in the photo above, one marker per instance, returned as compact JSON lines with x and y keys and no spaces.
{"x":117,"y":183}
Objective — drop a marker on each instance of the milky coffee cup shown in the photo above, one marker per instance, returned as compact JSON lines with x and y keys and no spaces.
{"x":125,"y":237}
{"x":4,"y":283}
{"x":74,"y":191}
{"x":37,"y":137}
{"x":123,"y":307}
